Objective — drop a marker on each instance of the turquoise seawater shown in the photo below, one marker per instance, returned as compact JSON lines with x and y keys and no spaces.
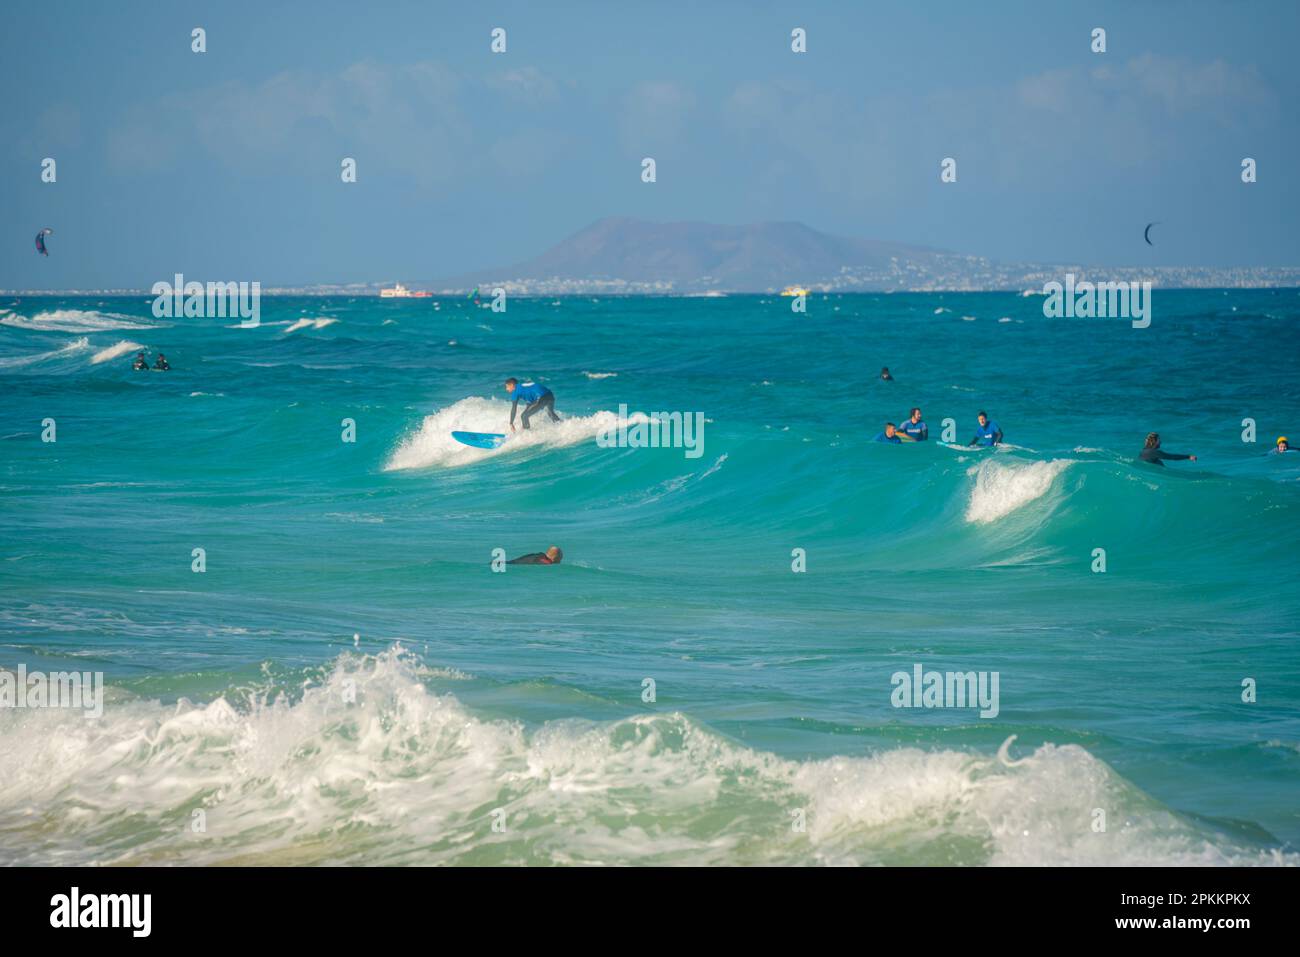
{"x":481,"y":717}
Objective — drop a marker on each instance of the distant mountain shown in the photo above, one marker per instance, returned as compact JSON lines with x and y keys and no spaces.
{"x":618,"y":255}
{"x":695,"y":257}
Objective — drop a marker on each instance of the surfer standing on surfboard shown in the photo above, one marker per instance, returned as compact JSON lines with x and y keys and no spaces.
{"x":535,"y":397}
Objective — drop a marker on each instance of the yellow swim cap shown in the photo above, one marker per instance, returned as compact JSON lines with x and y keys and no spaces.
{"x":1281,"y":439}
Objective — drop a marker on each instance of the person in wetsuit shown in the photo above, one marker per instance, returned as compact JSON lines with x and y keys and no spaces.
{"x":886,"y":375}
{"x":141,"y":364}
{"x":552,"y":556}
{"x":889,"y":435}
{"x":914,"y":428}
{"x":989,"y":433}
{"x":1283,"y":445}
{"x":1153,"y":453}
{"x":162,"y":365}
{"x":535,"y":398}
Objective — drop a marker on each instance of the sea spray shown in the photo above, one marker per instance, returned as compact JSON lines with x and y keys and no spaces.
{"x":117,"y":349}
{"x":366,"y":764}
{"x":432,"y":445}
{"x":1001,"y":489}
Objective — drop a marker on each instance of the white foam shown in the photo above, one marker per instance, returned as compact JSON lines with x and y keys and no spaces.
{"x":600,"y":375}
{"x":72,"y":348}
{"x":306,"y":323}
{"x":113,"y":351}
{"x":76,"y":320}
{"x":432,"y":445}
{"x":714,"y":467}
{"x":1000,"y":488}
{"x":369,"y":765}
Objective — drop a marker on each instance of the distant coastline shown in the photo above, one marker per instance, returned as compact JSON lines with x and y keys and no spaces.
{"x":1167,"y":278}
{"x":621,"y":256}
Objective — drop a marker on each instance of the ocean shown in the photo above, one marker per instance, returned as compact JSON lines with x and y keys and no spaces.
{"x":347,"y":679}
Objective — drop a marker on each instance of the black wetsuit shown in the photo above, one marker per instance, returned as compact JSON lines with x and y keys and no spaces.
{"x":533,"y":558}
{"x":1155,"y":455}
{"x":140,"y":365}
{"x":546,"y":402}
{"x":162,"y":365}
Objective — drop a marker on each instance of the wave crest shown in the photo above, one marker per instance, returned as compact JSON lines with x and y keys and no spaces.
{"x":76,"y":320}
{"x":1001,"y":489}
{"x":113,"y":351}
{"x":367,"y":765}
{"x":432,"y":445}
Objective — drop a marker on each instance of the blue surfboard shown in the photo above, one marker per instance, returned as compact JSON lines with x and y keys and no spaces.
{"x":479,"y":440}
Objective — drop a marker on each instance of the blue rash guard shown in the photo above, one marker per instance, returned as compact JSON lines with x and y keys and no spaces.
{"x":916,"y":431}
{"x":529,"y":392}
{"x":990,"y":434}
{"x":882,"y":437}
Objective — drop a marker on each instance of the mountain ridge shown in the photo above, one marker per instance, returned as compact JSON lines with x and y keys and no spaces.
{"x":694,"y":256}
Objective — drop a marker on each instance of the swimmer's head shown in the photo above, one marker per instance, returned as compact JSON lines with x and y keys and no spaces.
{"x":554,"y":554}
{"x":1153,"y":440}
{"x":889,"y":429}
{"x":983,"y":417}
{"x":511,"y":383}
{"x":1283,"y":443}
{"x":916,"y":415}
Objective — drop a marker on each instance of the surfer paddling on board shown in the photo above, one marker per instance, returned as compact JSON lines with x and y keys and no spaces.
{"x":889,"y":435}
{"x":989,"y":433}
{"x":914,"y":428}
{"x":1153,"y":453}
{"x":552,"y":556}
{"x":535,"y":398}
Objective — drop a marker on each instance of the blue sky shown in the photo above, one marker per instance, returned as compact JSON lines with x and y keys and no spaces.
{"x":225,"y":165}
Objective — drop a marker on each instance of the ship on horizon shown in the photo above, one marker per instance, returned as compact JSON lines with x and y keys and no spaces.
{"x":398,"y":291}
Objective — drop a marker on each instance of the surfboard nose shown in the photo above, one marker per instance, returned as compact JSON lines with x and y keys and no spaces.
{"x":479,"y":440}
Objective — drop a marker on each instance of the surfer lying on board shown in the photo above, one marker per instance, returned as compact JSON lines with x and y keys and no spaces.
{"x":1153,"y":453}
{"x":989,"y":433}
{"x":889,"y":435}
{"x":552,"y":556}
{"x":914,"y":428}
{"x":535,"y":398}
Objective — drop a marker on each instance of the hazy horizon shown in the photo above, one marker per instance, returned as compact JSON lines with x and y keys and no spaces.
{"x":226,"y":164}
